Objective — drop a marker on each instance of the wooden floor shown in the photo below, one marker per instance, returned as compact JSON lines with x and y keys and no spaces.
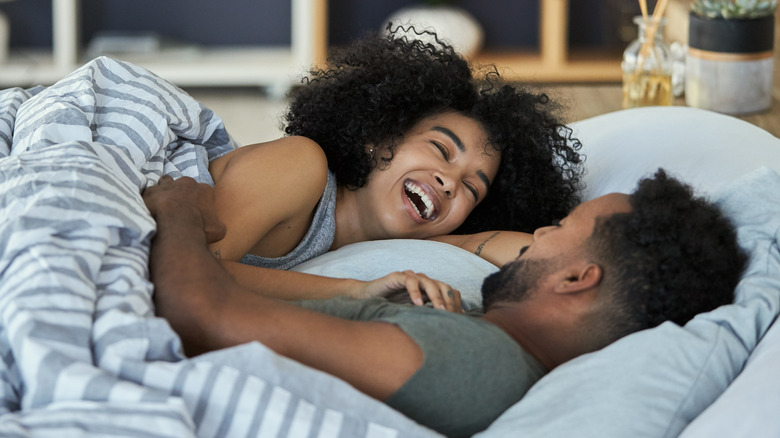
{"x":585,"y":101}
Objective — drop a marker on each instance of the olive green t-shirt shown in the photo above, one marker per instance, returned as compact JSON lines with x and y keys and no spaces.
{"x":472,"y":371}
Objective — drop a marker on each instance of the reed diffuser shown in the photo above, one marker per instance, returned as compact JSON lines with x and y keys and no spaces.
{"x":647,"y":62}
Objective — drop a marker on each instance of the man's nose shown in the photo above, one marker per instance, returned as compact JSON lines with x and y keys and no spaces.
{"x":542,"y":231}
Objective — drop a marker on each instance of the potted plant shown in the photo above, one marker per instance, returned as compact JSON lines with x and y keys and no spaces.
{"x":451,"y":23}
{"x":730,"y":55}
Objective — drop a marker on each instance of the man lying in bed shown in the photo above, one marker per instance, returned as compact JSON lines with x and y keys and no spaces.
{"x":615,"y":265}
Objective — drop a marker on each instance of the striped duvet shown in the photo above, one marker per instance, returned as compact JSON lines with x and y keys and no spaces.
{"x":82,"y":353}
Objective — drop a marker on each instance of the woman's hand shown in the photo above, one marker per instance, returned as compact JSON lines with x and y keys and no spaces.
{"x":420,"y":288}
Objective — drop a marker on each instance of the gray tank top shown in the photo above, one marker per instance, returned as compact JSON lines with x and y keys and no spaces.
{"x":317,"y":240}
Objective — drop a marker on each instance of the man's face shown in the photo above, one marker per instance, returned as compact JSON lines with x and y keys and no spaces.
{"x":515,"y":281}
{"x":553,"y":249}
{"x":568,"y":237}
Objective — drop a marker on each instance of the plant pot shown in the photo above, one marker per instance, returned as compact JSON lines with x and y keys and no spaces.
{"x":452,"y":24}
{"x":729,"y":64}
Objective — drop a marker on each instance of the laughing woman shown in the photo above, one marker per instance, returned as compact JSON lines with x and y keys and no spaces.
{"x":392,"y":139}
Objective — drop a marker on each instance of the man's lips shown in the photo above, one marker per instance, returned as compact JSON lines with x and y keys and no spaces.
{"x":522,"y":251}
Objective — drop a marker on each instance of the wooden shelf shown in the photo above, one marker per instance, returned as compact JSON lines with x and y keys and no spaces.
{"x":224,"y":66}
{"x":227,"y":66}
{"x":555,"y":62}
{"x":533,"y":67}
{"x":281,"y":67}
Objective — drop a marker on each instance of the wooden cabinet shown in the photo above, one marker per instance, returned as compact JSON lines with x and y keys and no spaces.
{"x":554,"y":62}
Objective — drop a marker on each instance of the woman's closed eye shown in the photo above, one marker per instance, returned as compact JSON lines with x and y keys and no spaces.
{"x":470,"y":187}
{"x":444,"y":152}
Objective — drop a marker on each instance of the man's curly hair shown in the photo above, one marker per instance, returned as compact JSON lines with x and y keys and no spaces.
{"x":673,"y":256}
{"x":375,"y":90}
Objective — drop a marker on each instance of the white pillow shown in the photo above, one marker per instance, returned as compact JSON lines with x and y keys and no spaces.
{"x":441,"y":261}
{"x":704,"y":148}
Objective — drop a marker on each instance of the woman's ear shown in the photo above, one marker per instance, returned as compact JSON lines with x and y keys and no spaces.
{"x":581,"y":279}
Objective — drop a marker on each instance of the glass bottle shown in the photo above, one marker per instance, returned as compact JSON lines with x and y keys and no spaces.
{"x":647,"y":67}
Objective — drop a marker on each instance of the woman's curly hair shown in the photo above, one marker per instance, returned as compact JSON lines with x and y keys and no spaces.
{"x":375,"y":90}
{"x":673,"y":256}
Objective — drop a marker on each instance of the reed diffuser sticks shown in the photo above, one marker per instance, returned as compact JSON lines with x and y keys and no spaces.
{"x":651,"y":28}
{"x":647,"y":63}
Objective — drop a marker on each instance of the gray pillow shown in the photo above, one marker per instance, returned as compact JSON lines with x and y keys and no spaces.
{"x":655,"y":382}
{"x":749,"y":406}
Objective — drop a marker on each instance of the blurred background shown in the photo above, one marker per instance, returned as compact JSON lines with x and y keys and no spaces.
{"x":240,"y":56}
{"x":507,"y":24}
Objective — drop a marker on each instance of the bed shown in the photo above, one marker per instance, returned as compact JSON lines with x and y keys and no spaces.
{"x":83,"y":354}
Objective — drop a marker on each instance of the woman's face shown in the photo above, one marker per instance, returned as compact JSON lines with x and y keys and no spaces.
{"x":441,"y":170}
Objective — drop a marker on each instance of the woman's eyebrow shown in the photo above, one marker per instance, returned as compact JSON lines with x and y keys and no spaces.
{"x":484,"y":178}
{"x":461,"y":147}
{"x":455,"y":139}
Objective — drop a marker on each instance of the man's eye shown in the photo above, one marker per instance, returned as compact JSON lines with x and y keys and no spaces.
{"x":444,"y":152}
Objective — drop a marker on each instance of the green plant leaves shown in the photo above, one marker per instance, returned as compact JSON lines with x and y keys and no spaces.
{"x":734,"y":8}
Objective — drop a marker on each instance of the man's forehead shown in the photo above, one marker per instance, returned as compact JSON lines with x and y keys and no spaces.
{"x":603,"y":206}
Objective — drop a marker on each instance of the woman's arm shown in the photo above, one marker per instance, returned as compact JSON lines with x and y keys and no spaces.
{"x":266,"y":195}
{"x":497,"y":247}
{"x":291,"y":285}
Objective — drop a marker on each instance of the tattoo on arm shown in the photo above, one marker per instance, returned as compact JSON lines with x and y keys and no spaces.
{"x":482,"y":245}
{"x":217,"y":254}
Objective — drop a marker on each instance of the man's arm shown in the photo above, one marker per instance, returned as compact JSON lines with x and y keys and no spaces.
{"x":209,"y":310}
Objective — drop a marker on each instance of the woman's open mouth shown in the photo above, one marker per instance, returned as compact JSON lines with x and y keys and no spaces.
{"x":421,"y":202}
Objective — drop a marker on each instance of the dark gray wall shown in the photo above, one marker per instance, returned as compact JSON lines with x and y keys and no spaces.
{"x":507,"y":23}
{"x":207,"y":22}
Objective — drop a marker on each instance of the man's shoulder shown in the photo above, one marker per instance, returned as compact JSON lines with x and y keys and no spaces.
{"x":453,"y":392}
{"x":440,"y":322}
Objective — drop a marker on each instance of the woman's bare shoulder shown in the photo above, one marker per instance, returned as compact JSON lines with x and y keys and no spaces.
{"x":263,"y":186}
{"x":295,"y":157}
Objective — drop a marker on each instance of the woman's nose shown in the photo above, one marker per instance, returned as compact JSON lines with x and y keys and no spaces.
{"x":445,"y":185}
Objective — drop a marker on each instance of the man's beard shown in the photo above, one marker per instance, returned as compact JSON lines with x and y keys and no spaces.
{"x":515,"y":281}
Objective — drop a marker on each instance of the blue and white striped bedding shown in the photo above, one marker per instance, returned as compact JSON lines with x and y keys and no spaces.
{"x":82,"y":353}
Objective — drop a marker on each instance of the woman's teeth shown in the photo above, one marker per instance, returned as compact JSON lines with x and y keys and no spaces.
{"x":419,"y":200}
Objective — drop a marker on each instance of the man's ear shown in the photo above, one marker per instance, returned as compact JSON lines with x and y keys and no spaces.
{"x":581,"y":279}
